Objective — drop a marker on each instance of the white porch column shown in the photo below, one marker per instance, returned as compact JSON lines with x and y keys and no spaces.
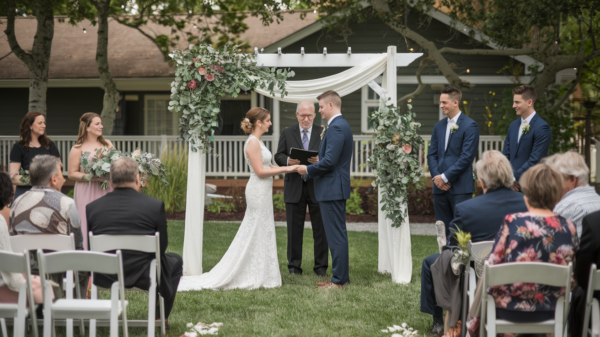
{"x":276,"y":119}
{"x":194,"y":213}
{"x":394,"y":242}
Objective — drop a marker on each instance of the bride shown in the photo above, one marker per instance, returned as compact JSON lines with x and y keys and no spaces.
{"x":251,"y":260}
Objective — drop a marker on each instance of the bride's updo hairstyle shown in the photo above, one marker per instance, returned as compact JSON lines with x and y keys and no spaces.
{"x":252,"y":116}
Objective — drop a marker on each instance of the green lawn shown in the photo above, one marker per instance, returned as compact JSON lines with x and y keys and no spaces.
{"x":370,"y":303}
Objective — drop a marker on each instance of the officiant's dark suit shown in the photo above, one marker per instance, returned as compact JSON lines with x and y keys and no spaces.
{"x":297,"y":194}
{"x":126,"y":211}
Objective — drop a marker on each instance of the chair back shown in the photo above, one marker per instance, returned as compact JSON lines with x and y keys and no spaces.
{"x":142,"y":243}
{"x":55,"y":242}
{"x":593,"y":285}
{"x":479,"y":248}
{"x":19,"y":263}
{"x":441,"y":234}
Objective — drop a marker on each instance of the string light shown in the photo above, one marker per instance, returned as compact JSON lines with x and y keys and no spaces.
{"x":468,"y":71}
{"x":84,"y":31}
{"x":409,"y":100}
{"x":411,"y":49}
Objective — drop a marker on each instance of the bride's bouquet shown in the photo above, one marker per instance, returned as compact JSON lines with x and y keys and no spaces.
{"x":149,"y":167}
{"x":98,"y":166}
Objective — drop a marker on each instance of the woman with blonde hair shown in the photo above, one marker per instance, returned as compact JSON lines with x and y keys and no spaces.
{"x":89,"y":140}
{"x":251,"y":260}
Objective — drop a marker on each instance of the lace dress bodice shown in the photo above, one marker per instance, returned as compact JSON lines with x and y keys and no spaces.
{"x":251,"y":260}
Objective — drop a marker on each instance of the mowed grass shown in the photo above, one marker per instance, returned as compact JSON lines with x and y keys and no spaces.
{"x":370,"y":303}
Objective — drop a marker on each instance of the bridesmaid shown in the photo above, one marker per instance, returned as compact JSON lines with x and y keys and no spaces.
{"x":86,"y":186}
{"x":33,"y":141}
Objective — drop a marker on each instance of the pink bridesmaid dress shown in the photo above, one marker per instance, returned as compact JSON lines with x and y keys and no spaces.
{"x":86,"y":192}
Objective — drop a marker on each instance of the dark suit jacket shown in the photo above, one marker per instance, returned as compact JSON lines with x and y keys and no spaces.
{"x":482,"y":216}
{"x":589,"y":249}
{"x":332,"y":172}
{"x":128,"y":212}
{"x":531,"y":149}
{"x":455,"y":162}
{"x":292,"y":184}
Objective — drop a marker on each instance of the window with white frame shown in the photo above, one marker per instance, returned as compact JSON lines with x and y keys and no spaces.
{"x":369,"y":104}
{"x":159,"y":120}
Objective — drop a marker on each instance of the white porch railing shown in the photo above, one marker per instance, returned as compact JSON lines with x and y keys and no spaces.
{"x":228,"y":160}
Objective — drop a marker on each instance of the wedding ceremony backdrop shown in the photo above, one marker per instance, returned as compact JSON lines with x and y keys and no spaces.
{"x":394,"y":242}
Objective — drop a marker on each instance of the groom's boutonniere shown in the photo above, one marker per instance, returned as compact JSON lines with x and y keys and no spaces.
{"x":526,"y":129}
{"x":324,"y":130}
{"x":454,"y":128}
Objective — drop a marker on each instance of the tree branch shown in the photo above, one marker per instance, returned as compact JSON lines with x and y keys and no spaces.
{"x":592,"y":56}
{"x":5,"y":56}
{"x":424,"y":62}
{"x":568,"y":93}
{"x":12,"y":38}
{"x":123,"y":22}
{"x":492,"y":52}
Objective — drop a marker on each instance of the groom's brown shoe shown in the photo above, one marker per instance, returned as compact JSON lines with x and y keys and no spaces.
{"x":333,"y":286}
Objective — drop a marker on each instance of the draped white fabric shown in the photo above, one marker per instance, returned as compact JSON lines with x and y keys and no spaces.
{"x":344,"y":83}
{"x":194,"y":213}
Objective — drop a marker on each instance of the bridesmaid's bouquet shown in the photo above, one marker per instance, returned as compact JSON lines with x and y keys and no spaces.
{"x":149,"y":167}
{"x":98,"y":166}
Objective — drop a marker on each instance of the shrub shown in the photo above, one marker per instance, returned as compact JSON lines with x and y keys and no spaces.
{"x":217,"y":206}
{"x":353,"y":204}
{"x":372,"y":206}
{"x":278,"y":203}
{"x":71,"y":193}
{"x":174,"y":194}
{"x":239,"y":196}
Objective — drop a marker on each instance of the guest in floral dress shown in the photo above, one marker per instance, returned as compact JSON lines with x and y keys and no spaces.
{"x":538,"y":235}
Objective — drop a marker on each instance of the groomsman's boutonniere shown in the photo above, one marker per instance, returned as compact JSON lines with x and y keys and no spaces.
{"x":454,"y":128}
{"x":526,"y":129}
{"x":324,"y":130}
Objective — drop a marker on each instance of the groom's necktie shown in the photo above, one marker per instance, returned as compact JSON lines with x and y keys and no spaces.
{"x":305,"y":139}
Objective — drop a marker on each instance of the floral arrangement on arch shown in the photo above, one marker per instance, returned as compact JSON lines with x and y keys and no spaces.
{"x":203,"y":75}
{"x":395,"y":158}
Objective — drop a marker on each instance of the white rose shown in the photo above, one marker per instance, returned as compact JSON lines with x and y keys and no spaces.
{"x":391,"y":147}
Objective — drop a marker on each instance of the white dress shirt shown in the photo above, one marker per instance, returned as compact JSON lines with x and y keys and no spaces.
{"x":332,"y":118}
{"x":528,"y":120}
{"x":448,"y":131}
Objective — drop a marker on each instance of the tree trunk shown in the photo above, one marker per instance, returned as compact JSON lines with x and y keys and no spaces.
{"x":111,"y":94}
{"x":38,"y":60}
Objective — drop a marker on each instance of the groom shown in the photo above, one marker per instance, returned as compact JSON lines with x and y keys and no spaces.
{"x":332,"y":184}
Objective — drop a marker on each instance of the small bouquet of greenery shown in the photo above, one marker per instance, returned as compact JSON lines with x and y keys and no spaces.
{"x":149,"y":167}
{"x":461,"y":255}
{"x":98,"y":166}
{"x":24,"y":177}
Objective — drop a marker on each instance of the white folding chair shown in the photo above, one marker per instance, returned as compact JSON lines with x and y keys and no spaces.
{"x":525,"y":272}
{"x":57,"y":243}
{"x":591,"y":305}
{"x":81,"y":308}
{"x":440,"y":229}
{"x":474,"y":249}
{"x":142,"y":243}
{"x":18,"y":263}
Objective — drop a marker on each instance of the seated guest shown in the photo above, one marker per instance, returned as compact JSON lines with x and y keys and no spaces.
{"x":588,"y":254}
{"x":6,"y":196}
{"x":538,"y":235}
{"x":480,"y":216}
{"x":45,"y":210}
{"x":125,"y":211}
{"x":579,"y":199}
{"x":11,"y":282}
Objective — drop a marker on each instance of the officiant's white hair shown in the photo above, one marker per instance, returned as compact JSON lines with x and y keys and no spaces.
{"x":495,"y":170}
{"x":306,"y":103}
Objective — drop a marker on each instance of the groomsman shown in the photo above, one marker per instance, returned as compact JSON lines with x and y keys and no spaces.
{"x":528,"y":138}
{"x":451,"y":153}
{"x":299,"y":193}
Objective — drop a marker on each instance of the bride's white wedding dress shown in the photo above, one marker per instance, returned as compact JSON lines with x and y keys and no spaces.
{"x":251,"y":260}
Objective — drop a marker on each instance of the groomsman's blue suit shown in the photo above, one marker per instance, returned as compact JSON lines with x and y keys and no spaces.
{"x":332,"y":188}
{"x":532,"y":147}
{"x":455,"y":162}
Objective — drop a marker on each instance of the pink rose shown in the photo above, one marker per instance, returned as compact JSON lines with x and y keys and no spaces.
{"x":221,"y":70}
{"x":214,"y":67}
{"x":195,"y":60}
{"x":202,"y":71}
{"x":210,"y":77}
{"x":192,"y":84}
{"x":407,"y":148}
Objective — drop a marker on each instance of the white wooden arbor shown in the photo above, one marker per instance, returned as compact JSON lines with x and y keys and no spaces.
{"x":192,"y":246}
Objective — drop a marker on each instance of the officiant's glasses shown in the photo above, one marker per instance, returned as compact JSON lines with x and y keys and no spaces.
{"x":309,"y":117}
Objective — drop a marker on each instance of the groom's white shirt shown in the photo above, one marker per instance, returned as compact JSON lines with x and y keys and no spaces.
{"x":332,"y":118}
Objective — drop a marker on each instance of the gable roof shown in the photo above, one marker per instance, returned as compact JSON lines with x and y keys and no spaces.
{"x":131,"y":54}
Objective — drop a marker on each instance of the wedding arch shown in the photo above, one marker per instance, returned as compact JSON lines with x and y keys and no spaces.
{"x":394,"y":241}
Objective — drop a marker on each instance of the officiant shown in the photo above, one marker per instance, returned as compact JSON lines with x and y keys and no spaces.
{"x":298,"y":193}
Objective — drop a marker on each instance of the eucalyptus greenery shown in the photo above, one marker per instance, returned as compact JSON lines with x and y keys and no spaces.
{"x":203,"y":75}
{"x":394,"y":159}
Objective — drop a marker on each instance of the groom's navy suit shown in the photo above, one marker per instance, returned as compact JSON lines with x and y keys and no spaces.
{"x":531,"y":148}
{"x":332,"y":188}
{"x":456,"y":162}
